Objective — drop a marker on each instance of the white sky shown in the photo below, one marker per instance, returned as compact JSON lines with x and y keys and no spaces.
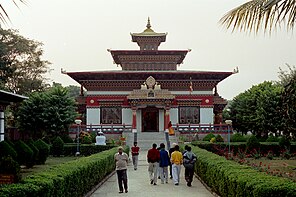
{"x":77,"y":33}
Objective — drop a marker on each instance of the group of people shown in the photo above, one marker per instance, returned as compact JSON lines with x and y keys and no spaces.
{"x":160,"y":161}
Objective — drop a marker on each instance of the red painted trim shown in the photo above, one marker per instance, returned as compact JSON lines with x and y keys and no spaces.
{"x":188,"y":132}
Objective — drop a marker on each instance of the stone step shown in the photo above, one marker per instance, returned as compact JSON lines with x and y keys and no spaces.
{"x":145,"y":140}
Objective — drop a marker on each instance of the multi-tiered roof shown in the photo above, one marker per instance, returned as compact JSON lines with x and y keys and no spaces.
{"x":148,"y":57}
{"x":138,"y":65}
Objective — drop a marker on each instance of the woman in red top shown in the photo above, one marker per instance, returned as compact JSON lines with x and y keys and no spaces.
{"x":135,"y":152}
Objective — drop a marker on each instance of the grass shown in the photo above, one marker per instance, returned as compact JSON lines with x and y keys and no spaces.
{"x":51,"y":161}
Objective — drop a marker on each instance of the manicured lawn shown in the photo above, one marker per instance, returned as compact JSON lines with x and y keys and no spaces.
{"x":276,"y":167}
{"x":51,"y":161}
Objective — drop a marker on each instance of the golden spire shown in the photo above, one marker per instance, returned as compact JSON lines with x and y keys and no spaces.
{"x":148,"y":23}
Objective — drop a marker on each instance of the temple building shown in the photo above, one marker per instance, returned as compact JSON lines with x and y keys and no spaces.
{"x":150,"y":91}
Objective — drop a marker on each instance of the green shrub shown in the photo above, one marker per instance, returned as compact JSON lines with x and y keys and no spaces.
{"x":237,"y":137}
{"x":66,"y":138}
{"x":6,"y":149}
{"x":228,"y":178}
{"x":253,"y":143}
{"x":10,"y":143}
{"x":24,"y":154}
{"x":43,"y":151}
{"x":272,"y":138}
{"x":208,"y":137}
{"x":219,"y":138}
{"x":10,"y":167}
{"x":93,"y":137}
{"x":57,"y":147}
{"x":66,"y":179}
{"x":35,"y":151}
{"x":86,"y":140}
{"x":284,"y":142}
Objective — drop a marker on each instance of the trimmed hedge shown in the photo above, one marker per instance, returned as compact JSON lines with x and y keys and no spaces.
{"x":35,"y":151}
{"x":237,"y":137}
{"x":208,"y":137}
{"x":10,"y":167}
{"x":43,"y":151}
{"x":24,"y":154}
{"x":265,"y":147}
{"x":85,"y":149}
{"x":57,"y":147}
{"x":7,"y":150}
{"x":74,"y":178}
{"x":227,"y":178}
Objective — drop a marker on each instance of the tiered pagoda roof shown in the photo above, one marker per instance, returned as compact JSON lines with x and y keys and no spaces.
{"x":138,"y":65}
{"x":148,"y":57}
{"x":129,"y":80}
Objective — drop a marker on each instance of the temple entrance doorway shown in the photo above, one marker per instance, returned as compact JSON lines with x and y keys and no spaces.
{"x":150,"y":119}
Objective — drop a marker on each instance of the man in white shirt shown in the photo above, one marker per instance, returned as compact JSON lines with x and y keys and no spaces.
{"x":121,"y":160}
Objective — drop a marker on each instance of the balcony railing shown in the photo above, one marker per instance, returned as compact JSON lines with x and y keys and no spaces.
{"x":182,"y":128}
{"x":105,"y":128}
{"x":202,"y":128}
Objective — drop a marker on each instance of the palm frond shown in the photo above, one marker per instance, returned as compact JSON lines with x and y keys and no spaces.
{"x":261,"y":14}
{"x":4,"y":17}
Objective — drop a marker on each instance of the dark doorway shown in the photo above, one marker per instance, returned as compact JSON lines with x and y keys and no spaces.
{"x":150,"y":119}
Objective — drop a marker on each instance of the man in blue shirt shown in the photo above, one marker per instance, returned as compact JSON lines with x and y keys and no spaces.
{"x":164,"y":163}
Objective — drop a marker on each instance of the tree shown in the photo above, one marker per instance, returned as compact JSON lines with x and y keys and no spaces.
{"x":4,"y":15}
{"x":288,"y":81}
{"x":256,"y":14}
{"x":47,"y":113}
{"x":21,"y":66}
{"x":258,"y":109}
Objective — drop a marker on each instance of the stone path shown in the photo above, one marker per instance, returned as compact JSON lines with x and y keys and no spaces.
{"x":139,"y":185}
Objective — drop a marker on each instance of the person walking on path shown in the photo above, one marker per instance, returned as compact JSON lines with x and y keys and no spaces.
{"x":121,"y":160}
{"x":189,"y":158}
{"x":170,"y":153}
{"x":163,"y":163}
{"x":135,"y":153}
{"x":153,"y":159}
{"x":176,"y":159}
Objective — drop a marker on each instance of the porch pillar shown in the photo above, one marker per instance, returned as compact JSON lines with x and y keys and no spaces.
{"x":166,"y":118}
{"x":2,"y":134}
{"x":134,"y":125}
{"x":134,"y":121}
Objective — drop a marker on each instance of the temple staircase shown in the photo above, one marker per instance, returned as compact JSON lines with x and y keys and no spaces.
{"x":146,"y":139}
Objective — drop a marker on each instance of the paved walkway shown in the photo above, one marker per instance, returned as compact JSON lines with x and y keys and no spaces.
{"x":139,"y":184}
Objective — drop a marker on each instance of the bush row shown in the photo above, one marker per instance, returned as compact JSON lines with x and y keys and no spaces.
{"x":84,"y":149}
{"x":235,"y":147}
{"x":74,"y":178}
{"x":227,"y":178}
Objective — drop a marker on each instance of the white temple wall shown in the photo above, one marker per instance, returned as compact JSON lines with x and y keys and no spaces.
{"x":139,"y":120}
{"x":161,"y":120}
{"x":206,"y":116}
{"x":127,"y":116}
{"x":174,"y":115}
{"x":92,"y":116}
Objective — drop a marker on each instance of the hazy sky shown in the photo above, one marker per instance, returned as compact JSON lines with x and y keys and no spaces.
{"x":77,"y":33}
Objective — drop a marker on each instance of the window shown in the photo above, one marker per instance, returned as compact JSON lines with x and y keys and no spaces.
{"x":111,"y":115}
{"x":189,"y":115}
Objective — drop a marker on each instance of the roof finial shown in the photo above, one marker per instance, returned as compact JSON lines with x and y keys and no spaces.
{"x":148,"y":23}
